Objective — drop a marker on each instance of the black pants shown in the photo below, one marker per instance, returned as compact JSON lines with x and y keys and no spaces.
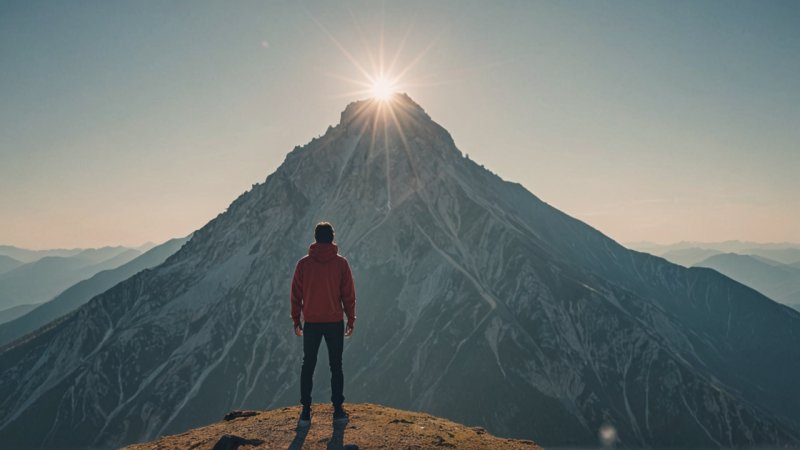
{"x":333,"y":332}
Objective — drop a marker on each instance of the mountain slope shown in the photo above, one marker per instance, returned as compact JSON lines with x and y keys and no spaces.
{"x":780,"y":282}
{"x":7,"y":263}
{"x":43,"y":279}
{"x":477,"y":302}
{"x":370,"y":426}
{"x":117,"y":260}
{"x":781,"y":255}
{"x":83,"y":291}
{"x":689,"y":256}
{"x":9,"y":314}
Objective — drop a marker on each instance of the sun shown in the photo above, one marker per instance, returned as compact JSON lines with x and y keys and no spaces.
{"x":382,"y":89}
{"x":383,"y":78}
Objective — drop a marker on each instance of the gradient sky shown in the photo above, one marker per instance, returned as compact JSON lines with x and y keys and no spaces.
{"x":126,"y":122}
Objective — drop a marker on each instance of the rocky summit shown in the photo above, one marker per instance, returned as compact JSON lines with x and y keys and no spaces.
{"x":370,"y":427}
{"x":476,"y":301}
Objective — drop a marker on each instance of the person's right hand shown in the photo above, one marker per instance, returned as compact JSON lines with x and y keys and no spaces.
{"x":298,"y":330}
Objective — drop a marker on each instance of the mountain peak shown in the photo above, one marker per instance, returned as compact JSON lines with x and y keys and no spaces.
{"x":382,"y":151}
{"x":399,"y":105}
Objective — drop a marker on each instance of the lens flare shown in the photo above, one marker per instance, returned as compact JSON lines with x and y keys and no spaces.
{"x":608,"y":435}
{"x":382,"y":89}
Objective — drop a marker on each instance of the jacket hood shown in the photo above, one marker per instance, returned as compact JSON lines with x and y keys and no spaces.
{"x":322,"y":252}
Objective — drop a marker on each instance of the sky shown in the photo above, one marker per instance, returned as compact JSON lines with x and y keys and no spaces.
{"x":127,"y":122}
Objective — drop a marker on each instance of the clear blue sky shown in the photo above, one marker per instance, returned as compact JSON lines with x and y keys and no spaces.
{"x":123,"y":122}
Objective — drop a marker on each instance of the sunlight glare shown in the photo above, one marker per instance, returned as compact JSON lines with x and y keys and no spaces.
{"x":382,"y":89}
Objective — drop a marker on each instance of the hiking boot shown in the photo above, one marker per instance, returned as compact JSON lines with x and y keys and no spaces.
{"x":305,"y":417}
{"x":340,"y":415}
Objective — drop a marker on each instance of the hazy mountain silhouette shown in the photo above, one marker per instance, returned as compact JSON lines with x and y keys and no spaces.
{"x":13,"y":312}
{"x":146,"y":246}
{"x":780,"y":282}
{"x":690,"y":253}
{"x":478,"y":302}
{"x":783,"y":255}
{"x":7,"y":263}
{"x":41,"y":280}
{"x":689,"y":256}
{"x":732,"y":246}
{"x":83,"y":291}
{"x":26,"y":256}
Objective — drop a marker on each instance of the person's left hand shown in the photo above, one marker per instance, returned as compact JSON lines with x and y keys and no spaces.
{"x":348,"y":331}
{"x":298,"y":330}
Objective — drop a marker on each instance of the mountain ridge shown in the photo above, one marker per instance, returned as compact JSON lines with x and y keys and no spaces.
{"x":41,"y":280}
{"x":778,"y":281}
{"x":7,"y":263}
{"x":82,"y":291}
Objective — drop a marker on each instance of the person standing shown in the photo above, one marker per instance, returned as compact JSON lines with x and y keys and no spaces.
{"x":323,"y":292}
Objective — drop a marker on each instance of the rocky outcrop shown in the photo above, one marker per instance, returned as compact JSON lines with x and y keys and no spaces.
{"x":370,"y":427}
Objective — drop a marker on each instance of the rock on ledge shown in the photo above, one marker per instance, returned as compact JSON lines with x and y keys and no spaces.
{"x":370,"y":427}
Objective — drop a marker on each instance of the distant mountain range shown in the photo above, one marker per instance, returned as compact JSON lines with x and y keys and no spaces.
{"x":688,"y":257}
{"x":477,"y":302}
{"x":44,"y":278}
{"x":7,"y":263}
{"x":80,"y":293}
{"x":9,"y":314}
{"x":732,"y":246}
{"x":24,"y":255}
{"x":690,"y":253}
{"x":771,"y":268}
{"x":778,"y":281}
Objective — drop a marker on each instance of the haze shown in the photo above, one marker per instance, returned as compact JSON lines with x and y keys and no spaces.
{"x":128,"y":122}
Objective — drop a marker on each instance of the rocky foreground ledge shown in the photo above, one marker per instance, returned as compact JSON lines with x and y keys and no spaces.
{"x":370,"y":427}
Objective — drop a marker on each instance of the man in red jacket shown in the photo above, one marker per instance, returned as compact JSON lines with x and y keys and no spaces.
{"x":323,"y":291}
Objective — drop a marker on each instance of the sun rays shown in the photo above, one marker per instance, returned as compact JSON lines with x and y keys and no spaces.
{"x":377,"y":73}
{"x":382,"y":89}
{"x":385,"y":114}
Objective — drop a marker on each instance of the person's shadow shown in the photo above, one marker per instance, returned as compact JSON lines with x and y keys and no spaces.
{"x":337,"y":438}
{"x":336,"y":441}
{"x":299,"y":438}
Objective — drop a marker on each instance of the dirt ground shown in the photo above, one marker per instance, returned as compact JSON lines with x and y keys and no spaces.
{"x":370,"y":427}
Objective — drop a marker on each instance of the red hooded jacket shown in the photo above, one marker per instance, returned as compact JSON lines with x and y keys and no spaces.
{"x":322,"y":286}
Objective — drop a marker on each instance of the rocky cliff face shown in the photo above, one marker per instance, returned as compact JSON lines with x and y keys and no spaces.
{"x":477,"y":302}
